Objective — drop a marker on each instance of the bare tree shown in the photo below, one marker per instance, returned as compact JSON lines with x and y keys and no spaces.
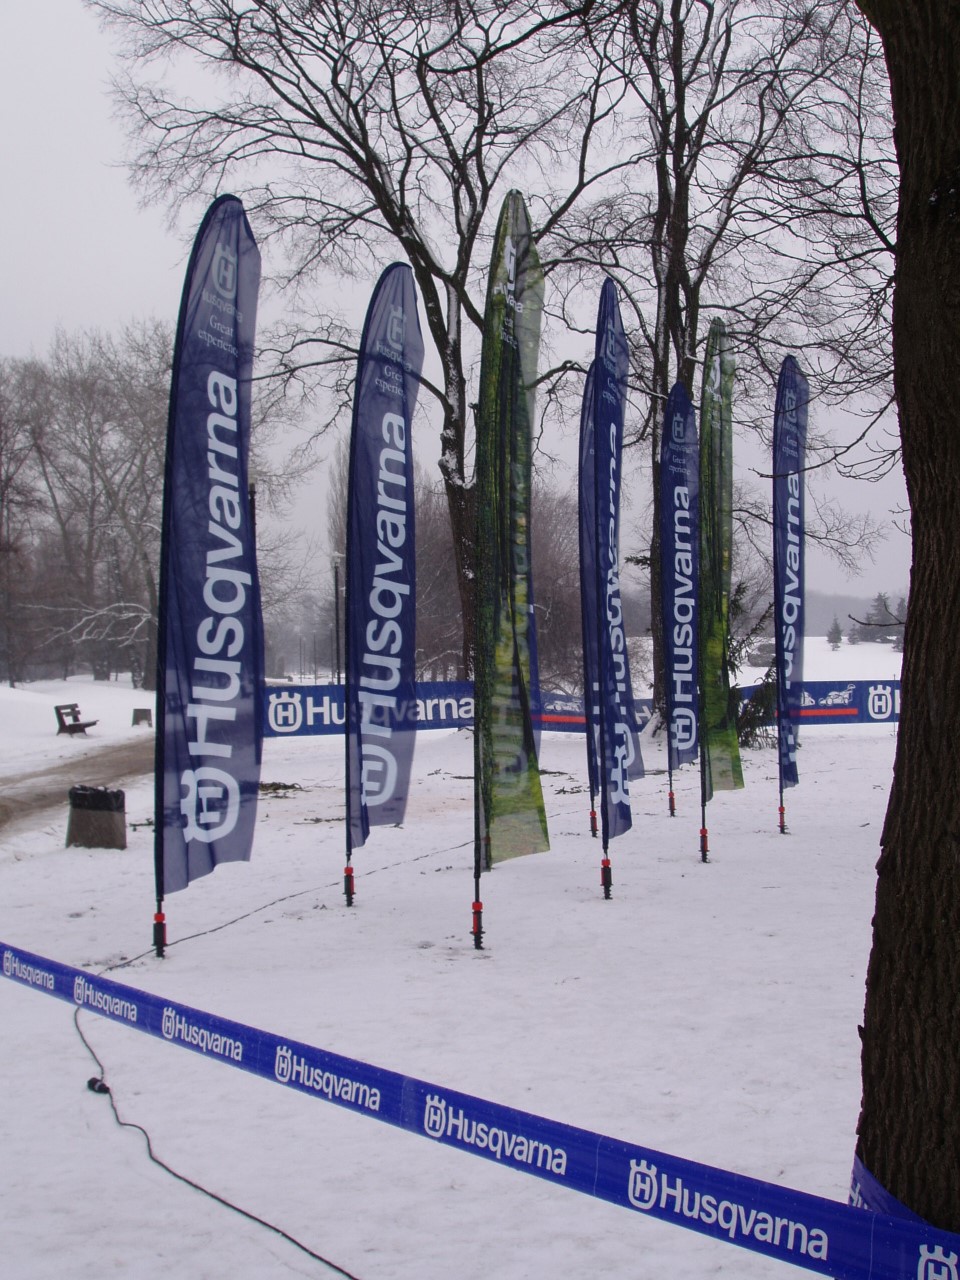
{"x":909,"y":1128}
{"x":357,"y":132}
{"x":98,"y":447}
{"x":19,"y":507}
{"x":751,"y":121}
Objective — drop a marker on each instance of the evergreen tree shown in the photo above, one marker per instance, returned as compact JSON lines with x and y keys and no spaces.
{"x":834,"y":635}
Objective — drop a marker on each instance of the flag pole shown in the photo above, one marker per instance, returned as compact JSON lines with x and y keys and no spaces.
{"x":479,"y":838}
{"x":704,"y":835}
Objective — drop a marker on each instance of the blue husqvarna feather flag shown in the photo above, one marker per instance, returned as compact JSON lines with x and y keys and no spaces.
{"x":680,"y":572}
{"x":789,"y":446}
{"x":381,"y":570}
{"x":587,"y":495}
{"x":210,"y":643}
{"x":609,"y":695}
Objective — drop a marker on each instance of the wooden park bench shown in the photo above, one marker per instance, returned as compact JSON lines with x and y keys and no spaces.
{"x":68,"y":719}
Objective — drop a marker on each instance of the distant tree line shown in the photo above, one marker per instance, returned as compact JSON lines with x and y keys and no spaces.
{"x":882,"y":624}
{"x":82,"y":441}
{"x":306,"y":638}
{"x":81,"y":471}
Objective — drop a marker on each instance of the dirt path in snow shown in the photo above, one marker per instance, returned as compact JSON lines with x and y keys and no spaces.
{"x":23,"y":794}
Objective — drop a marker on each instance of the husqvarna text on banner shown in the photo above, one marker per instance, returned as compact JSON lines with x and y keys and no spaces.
{"x":210,"y":650}
{"x":608,"y":694}
{"x":789,"y":445}
{"x":381,"y":566}
{"x":680,"y":573}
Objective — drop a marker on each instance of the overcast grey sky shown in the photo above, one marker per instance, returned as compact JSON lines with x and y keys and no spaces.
{"x":77,"y":252}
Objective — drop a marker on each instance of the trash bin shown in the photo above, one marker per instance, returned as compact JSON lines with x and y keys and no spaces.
{"x":98,"y":818}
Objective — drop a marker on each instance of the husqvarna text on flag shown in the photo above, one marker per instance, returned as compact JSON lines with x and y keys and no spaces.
{"x":608,"y":693}
{"x":381,"y":568}
{"x":210,"y":650}
{"x":789,"y":446}
{"x":680,"y":573}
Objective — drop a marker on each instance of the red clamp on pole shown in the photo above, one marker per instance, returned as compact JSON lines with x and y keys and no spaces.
{"x":477,"y":928}
{"x":673,"y":804}
{"x":606,"y":877}
{"x":704,"y":846}
{"x":783,"y":820}
{"x":593,"y":822}
{"x":348,"y":884}
{"x":159,"y":932}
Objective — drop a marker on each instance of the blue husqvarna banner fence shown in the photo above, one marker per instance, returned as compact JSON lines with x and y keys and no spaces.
{"x":210,"y":644}
{"x":819,"y":1235}
{"x":298,"y":710}
{"x":381,"y":564}
{"x":789,"y":445}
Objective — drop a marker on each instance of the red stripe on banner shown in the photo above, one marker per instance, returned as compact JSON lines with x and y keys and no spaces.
{"x":829,"y":711}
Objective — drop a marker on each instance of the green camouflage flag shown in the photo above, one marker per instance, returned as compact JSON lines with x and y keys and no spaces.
{"x":511,"y":819}
{"x":718,"y":725}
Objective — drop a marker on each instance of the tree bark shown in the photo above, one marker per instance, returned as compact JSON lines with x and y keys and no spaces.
{"x":909,"y":1130}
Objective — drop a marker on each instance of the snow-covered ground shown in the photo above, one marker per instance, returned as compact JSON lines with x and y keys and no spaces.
{"x":707,"y":1011}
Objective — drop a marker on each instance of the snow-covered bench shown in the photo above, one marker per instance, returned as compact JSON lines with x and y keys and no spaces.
{"x":68,"y":719}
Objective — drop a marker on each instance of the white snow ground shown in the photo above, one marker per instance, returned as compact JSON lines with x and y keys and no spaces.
{"x":707,"y":1011}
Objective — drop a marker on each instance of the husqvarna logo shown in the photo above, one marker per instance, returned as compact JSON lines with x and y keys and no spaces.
{"x":7,"y":963}
{"x":435,"y":1116}
{"x":683,"y":729}
{"x":715,"y":375}
{"x":510,"y":262}
{"x":79,"y":987}
{"x":396,"y":326}
{"x":168,"y":1023}
{"x":880,"y":702}
{"x":224,"y":271}
{"x":378,"y":780}
{"x":210,"y":805}
{"x":285,"y":712}
{"x":643,"y":1188}
{"x":935,"y":1264}
{"x":283,"y":1064}
{"x":608,"y":349}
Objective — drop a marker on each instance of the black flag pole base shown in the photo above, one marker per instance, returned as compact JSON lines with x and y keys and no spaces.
{"x":593,"y":822}
{"x":348,"y":884}
{"x":783,"y":820}
{"x":477,"y":927}
{"x":159,"y":933}
{"x":606,"y":877}
{"x":673,"y":804}
{"x":704,"y":845}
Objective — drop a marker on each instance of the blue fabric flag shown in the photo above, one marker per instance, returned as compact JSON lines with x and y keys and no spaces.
{"x":587,"y":496}
{"x":210,"y":643}
{"x":789,"y":445}
{"x":609,"y":688}
{"x":680,"y":572}
{"x":381,"y":569}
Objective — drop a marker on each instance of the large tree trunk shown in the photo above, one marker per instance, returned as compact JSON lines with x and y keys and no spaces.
{"x":909,"y":1131}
